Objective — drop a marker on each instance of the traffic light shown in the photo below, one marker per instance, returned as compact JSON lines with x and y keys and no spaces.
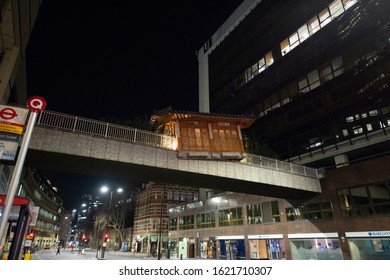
{"x":105,"y":237}
{"x":84,"y":237}
{"x":30,"y":235}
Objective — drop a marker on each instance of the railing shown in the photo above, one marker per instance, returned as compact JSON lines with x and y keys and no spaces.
{"x":106,"y":130}
{"x":124,"y":133}
{"x":280,"y":165}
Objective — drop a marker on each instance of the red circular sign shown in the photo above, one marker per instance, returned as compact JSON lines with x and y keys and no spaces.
{"x":36,"y":103}
{"x":8,"y":113}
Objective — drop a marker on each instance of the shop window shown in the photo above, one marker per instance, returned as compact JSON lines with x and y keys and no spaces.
{"x":316,"y":249}
{"x":369,"y":248}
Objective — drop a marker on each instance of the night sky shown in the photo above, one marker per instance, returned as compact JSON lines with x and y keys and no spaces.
{"x":104,"y":59}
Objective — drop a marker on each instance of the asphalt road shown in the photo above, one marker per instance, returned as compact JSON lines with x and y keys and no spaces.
{"x":88,"y":254}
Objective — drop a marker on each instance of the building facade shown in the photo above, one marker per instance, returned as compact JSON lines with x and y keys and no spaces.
{"x":349,"y":220}
{"x":316,"y":76}
{"x":151,"y":216}
{"x":51,"y":209}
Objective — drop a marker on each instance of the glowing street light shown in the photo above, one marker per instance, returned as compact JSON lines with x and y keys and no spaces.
{"x":105,"y":189}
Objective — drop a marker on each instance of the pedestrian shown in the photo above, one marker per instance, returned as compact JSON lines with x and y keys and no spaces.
{"x":58,"y":248}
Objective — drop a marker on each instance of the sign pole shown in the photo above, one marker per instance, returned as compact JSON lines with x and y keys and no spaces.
{"x":35,"y":104}
{"x":16,"y":174}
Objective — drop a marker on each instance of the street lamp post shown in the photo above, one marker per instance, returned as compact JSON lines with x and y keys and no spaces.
{"x":105,"y":189}
{"x":161,"y":221}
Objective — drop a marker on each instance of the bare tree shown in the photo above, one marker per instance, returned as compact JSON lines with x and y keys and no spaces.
{"x":116,"y":219}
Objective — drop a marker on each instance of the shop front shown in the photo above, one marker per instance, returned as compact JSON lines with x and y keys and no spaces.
{"x":232,"y":247}
{"x":266,"y":247}
{"x":369,"y":245}
{"x":315,"y":246}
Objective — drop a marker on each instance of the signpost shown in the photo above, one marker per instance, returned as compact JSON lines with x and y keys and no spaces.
{"x":35,"y":104}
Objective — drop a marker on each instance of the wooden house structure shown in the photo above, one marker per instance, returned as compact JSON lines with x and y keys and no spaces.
{"x":205,"y":135}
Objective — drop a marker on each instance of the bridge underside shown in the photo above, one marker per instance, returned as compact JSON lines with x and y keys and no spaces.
{"x":66,"y":151}
{"x":105,"y":168}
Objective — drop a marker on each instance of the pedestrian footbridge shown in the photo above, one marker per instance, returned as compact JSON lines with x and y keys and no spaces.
{"x":78,"y":145}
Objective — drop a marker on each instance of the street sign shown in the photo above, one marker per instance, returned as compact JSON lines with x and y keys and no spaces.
{"x":17,"y":200}
{"x":36,"y":103}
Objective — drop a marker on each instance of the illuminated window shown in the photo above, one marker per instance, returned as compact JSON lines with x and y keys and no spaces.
{"x":324,"y":17}
{"x":285,"y":47}
{"x":303,"y":33}
{"x":336,"y":8}
{"x":313,"y":25}
{"x":294,"y":40}
{"x":269,"y":59}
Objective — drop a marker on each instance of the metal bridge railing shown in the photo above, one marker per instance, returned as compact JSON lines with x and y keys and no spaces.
{"x":107,"y":130}
{"x":280,"y":165}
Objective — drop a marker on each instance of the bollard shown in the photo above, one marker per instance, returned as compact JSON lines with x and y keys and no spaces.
{"x":27,"y":257}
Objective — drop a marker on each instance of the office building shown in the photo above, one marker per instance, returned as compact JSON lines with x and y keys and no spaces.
{"x":316,"y":75}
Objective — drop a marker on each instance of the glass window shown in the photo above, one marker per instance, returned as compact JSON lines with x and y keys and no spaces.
{"x":275,"y":212}
{"x":380,"y":193}
{"x":326,"y":72}
{"x":314,"y":79}
{"x":369,"y":249}
{"x":303,"y":85}
{"x":205,"y":220}
{"x":269,"y":59}
{"x":348,"y":3}
{"x":313,"y":25}
{"x":326,"y":210}
{"x":313,"y":211}
{"x":359,"y":196}
{"x":285,"y":47}
{"x":255,"y":69}
{"x":324,"y":17}
{"x":186,"y":222}
{"x":303,"y":33}
{"x":316,"y":249}
{"x":337,"y":66}
{"x":254,"y":214}
{"x":261,"y":65}
{"x":294,"y":40}
{"x":336,"y":8}
{"x":230,"y":217}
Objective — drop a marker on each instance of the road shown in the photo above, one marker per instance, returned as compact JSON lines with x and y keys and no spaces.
{"x":88,"y":254}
